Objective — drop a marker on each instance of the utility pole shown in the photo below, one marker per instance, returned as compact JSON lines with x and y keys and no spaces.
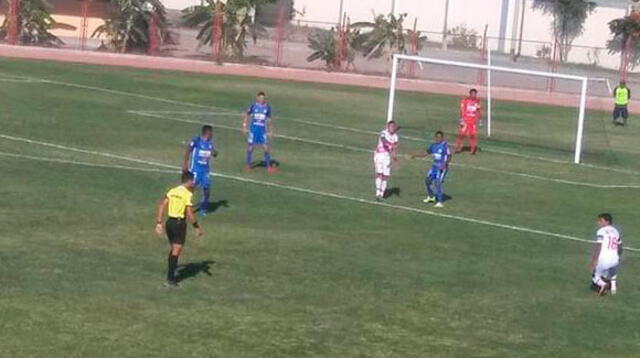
{"x":340,"y":13}
{"x":393,"y":7}
{"x":446,"y":25}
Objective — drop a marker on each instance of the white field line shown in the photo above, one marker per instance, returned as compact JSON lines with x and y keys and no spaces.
{"x":190,"y":104}
{"x":364,"y":150}
{"x":296,"y":139}
{"x":317,"y":193}
{"x":411,"y":138}
{"x":85,"y":164}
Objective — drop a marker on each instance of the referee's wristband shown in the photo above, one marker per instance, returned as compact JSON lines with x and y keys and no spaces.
{"x":195,"y":225}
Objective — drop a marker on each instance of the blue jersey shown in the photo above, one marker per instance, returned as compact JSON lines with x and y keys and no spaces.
{"x":201,"y":153}
{"x":258,"y":116}
{"x":440,"y":153}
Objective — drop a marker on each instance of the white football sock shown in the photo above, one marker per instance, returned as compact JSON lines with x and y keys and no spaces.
{"x":378,"y":185}
{"x":383,"y":187}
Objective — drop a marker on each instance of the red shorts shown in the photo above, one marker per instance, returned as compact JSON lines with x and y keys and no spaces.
{"x":468,"y":129}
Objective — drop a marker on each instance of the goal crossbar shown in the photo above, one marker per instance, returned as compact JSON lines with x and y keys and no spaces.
{"x":489,"y":69}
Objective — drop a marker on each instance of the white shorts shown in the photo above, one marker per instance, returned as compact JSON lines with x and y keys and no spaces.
{"x":606,"y":269}
{"x":382,"y":163}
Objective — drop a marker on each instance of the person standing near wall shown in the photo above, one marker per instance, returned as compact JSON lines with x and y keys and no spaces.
{"x":622,"y":95}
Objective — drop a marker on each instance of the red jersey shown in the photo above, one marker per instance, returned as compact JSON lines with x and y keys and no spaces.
{"x":470,"y":110}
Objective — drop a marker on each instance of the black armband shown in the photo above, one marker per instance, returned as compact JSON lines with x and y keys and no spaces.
{"x":195,"y":225}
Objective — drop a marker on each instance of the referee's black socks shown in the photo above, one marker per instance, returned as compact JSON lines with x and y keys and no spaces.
{"x":172,"y":266}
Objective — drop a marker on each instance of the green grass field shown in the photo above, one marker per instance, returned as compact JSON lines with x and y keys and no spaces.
{"x":302,"y":263}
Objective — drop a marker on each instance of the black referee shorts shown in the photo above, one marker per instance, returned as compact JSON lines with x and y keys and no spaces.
{"x":176,"y":230}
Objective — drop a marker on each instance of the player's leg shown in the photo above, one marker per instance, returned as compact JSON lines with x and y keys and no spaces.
{"x":378,"y":168}
{"x":205,"y":183}
{"x":439,"y":184}
{"x":460,"y":138}
{"x":249,"y":154}
{"x":600,"y":277}
{"x":267,"y":155}
{"x":613,"y":279}
{"x":473,"y":138}
{"x":625,"y":115}
{"x":617,"y":111}
{"x":176,"y":233}
{"x":428,"y":183}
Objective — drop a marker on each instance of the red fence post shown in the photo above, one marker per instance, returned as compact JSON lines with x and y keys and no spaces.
{"x":154,"y":35}
{"x":84,"y":23}
{"x":280,"y":33}
{"x":13,"y":20}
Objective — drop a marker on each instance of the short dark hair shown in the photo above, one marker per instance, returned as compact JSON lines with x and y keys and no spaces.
{"x":473,"y":90}
{"x":261,"y":94}
{"x":394,"y":122}
{"x":186,"y":176}
{"x":439,"y":133}
{"x":607,"y":217}
{"x":206,"y":128}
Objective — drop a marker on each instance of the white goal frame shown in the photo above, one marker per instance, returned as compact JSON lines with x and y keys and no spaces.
{"x":489,"y":69}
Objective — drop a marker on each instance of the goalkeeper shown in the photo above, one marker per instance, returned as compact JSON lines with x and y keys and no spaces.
{"x":470,"y":112}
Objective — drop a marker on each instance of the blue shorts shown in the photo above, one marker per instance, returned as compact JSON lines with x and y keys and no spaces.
{"x":257,"y":136}
{"x":202,"y":178}
{"x":437,"y":174}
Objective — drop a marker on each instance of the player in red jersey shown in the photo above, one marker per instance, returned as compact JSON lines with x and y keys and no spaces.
{"x":470,"y":113}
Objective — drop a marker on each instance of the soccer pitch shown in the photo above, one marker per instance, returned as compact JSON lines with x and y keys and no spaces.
{"x":302,"y":263}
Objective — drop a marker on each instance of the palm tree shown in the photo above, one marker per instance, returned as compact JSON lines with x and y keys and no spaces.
{"x":625,"y":35}
{"x":385,"y":36}
{"x":237,"y":17}
{"x":568,"y":20}
{"x":127,"y":27}
{"x":34,"y":23}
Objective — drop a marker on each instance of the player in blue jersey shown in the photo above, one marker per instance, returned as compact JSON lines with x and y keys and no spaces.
{"x":197,"y":160}
{"x":441,"y":154}
{"x":258,"y":128}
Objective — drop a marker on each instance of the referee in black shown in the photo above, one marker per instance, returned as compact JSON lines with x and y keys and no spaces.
{"x":179,"y":208}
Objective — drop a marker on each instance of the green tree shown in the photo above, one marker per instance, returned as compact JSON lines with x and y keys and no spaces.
{"x":569,"y":17}
{"x":127,"y":27}
{"x":625,"y":33}
{"x":237,"y":23}
{"x":325,"y":45}
{"x":34,"y":23}
{"x":382,"y":37}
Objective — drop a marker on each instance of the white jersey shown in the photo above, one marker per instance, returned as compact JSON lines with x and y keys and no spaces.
{"x":609,"y":239}
{"x":386,"y":142}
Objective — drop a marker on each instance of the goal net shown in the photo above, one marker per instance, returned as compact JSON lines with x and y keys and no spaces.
{"x":524,"y":112}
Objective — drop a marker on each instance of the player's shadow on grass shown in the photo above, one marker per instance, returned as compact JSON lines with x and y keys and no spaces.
{"x":263,"y":164}
{"x":391,"y":192}
{"x":193,"y":269}
{"x":214,"y":206}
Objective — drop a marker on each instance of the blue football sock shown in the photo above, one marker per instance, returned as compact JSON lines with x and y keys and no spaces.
{"x":427,"y":184}
{"x":249,"y":156}
{"x":267,"y":158}
{"x":440,"y":194}
{"x":206,"y":193}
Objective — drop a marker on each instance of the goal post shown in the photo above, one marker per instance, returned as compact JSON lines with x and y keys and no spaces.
{"x":490,"y":71}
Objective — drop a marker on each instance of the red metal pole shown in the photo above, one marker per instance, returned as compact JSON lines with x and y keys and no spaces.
{"x":280,"y":32}
{"x":84,"y":23}
{"x":14,"y":18}
{"x":154,"y":35}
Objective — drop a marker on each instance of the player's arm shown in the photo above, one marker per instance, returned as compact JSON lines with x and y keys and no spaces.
{"x":421,"y":155}
{"x":269,"y":123}
{"x":620,"y":248}
{"x":191,"y":216}
{"x":461,"y":114}
{"x":162,"y":206}
{"x":447,"y":158}
{"x":245,"y":121}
